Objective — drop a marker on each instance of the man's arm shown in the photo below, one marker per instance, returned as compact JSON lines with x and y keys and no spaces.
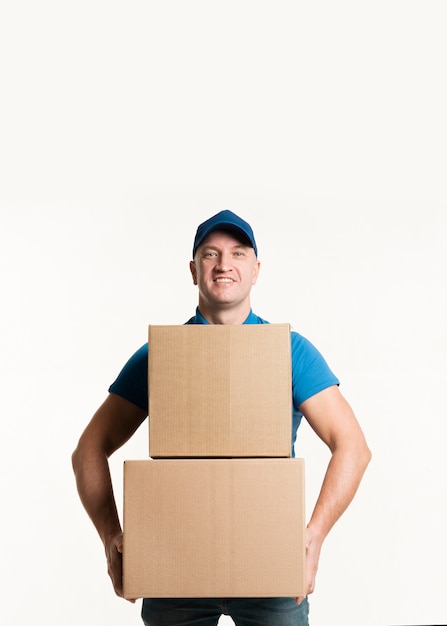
{"x":333,"y":420}
{"x":111,"y":426}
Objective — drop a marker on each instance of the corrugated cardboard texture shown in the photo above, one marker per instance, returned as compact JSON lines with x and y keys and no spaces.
{"x":220,"y":391}
{"x":214,"y":528}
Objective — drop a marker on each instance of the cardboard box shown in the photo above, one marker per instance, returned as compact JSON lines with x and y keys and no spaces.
{"x":213,"y":528}
{"x":220,"y":391}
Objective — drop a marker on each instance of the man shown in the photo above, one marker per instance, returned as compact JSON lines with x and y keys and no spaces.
{"x":225,"y":266}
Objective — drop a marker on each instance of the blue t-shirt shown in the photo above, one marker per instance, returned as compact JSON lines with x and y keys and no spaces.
{"x":310,"y":372}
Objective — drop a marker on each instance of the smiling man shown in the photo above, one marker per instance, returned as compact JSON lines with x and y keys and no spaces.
{"x":224,"y":267}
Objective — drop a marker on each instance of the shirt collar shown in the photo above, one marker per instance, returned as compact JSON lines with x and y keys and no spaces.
{"x":199,"y":319}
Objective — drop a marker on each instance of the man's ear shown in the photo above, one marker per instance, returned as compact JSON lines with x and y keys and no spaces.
{"x":256,"y":269}
{"x":192,"y":267}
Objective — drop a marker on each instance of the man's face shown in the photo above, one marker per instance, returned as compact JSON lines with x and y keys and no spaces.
{"x":224,"y":270}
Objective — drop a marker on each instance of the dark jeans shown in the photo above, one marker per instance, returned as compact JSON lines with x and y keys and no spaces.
{"x":207,"y":611}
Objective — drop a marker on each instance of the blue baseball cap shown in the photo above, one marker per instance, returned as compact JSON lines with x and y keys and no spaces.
{"x":228,"y":222}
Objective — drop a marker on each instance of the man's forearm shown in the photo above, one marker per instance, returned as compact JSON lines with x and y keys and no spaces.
{"x":342,"y":479}
{"x":343,"y":476}
{"x":95,"y":490}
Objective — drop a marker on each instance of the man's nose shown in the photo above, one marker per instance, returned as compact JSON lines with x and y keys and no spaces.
{"x":224,"y":262}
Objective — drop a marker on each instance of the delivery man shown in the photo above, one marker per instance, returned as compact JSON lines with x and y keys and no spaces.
{"x":224,"y":267}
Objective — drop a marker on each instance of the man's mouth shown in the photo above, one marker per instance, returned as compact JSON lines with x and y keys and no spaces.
{"x":224,"y":280}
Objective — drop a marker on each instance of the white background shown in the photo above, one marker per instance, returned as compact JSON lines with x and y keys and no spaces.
{"x":124,"y":125}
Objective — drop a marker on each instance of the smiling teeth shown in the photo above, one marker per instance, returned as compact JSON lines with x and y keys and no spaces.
{"x":224,"y":280}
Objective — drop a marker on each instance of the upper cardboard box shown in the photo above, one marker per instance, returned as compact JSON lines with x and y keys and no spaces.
{"x":220,"y":391}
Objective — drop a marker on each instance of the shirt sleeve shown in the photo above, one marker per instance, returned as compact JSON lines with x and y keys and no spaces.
{"x":131,"y":383}
{"x":310,"y":371}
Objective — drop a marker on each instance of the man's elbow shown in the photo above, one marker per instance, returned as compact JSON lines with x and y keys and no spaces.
{"x":80,"y":454}
{"x":365,"y":456}
{"x":76,"y":458}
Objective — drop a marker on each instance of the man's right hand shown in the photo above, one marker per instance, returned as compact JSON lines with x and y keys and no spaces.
{"x":114,"y":554}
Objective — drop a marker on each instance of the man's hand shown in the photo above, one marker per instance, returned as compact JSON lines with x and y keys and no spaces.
{"x":313,"y":548}
{"x":114,"y":554}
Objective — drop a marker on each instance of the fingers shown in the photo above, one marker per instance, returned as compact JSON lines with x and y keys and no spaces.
{"x":312,"y":557}
{"x":115,"y":563}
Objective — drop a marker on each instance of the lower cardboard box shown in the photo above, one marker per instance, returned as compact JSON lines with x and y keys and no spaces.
{"x":213,"y":528}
